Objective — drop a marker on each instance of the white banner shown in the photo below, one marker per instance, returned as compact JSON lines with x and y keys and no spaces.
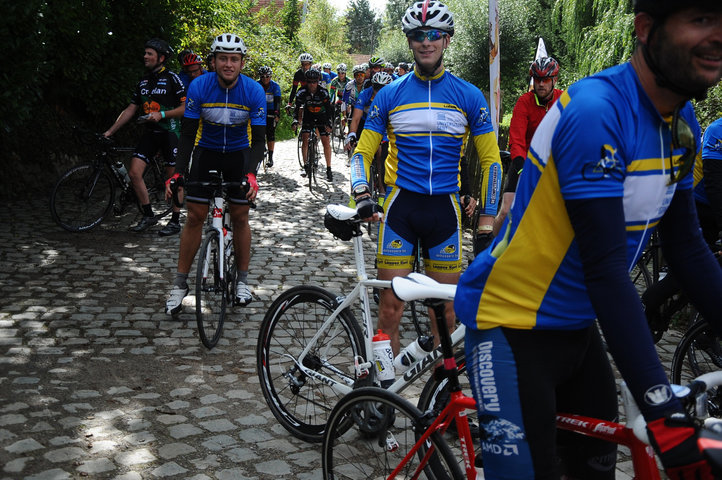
{"x":541,"y":51}
{"x":494,"y":65}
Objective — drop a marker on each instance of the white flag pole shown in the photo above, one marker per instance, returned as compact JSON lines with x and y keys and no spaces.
{"x":494,"y":65}
{"x":541,"y":51}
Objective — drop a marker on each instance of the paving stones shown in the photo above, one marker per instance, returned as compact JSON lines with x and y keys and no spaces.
{"x":96,"y":381}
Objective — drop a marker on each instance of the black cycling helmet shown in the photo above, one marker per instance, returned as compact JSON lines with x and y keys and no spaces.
{"x":312,"y":75}
{"x":160,"y":46}
{"x":662,"y":8}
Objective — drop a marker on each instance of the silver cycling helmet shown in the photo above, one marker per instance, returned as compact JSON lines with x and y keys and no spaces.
{"x":341,"y":67}
{"x":305,"y":57}
{"x":228,"y":43}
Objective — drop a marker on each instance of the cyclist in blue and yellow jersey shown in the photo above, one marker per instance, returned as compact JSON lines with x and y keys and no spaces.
{"x":607,"y":166}
{"x":160,"y":95}
{"x":327,"y":69}
{"x":426,"y":116}
{"x":273,"y":106}
{"x":708,"y":184}
{"x":353,"y":88}
{"x":223,"y":129}
{"x":403,"y":68}
{"x":299,"y":79}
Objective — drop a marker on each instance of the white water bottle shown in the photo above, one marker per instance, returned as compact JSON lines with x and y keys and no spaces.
{"x":413,"y":352}
{"x":122,"y":171}
{"x":383,"y":358}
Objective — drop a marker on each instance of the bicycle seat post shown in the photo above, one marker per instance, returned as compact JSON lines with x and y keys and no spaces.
{"x":449,"y":367}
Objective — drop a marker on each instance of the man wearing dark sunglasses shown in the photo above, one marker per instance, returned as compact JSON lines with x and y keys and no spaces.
{"x":607,"y":166}
{"x":314,"y":111}
{"x":427,"y":115}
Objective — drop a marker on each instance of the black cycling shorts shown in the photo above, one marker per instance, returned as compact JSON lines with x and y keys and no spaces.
{"x":231,"y":164}
{"x":154,"y":141}
{"x":313,"y":122}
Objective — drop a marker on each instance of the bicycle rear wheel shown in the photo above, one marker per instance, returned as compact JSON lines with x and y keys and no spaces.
{"x":335,"y":132}
{"x":372,"y":430}
{"x":699,"y":352}
{"x":313,"y":162}
{"x":82,"y":197}
{"x":299,"y":402}
{"x":211,"y":293}
{"x":300,"y":150}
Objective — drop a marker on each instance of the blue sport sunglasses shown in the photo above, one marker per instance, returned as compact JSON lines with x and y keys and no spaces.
{"x":420,"y":35}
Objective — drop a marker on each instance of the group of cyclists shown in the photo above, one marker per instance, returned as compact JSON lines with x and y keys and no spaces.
{"x":595,"y":170}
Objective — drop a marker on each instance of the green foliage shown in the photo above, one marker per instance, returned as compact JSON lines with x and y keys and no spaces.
{"x":364,"y":27}
{"x":394,"y":47}
{"x":323,"y":33}
{"x":394,"y":13}
{"x":291,"y":19}
{"x":710,"y":109}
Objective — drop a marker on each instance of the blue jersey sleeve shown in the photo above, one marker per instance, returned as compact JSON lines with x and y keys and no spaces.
{"x":194,"y":98}
{"x":378,"y":114}
{"x":478,"y":111}
{"x":589,"y":153}
{"x":712,"y":144}
{"x":275,"y":89}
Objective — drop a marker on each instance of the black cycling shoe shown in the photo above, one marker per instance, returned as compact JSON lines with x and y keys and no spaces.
{"x":329,"y":174}
{"x":171,"y":228}
{"x":144,"y":224}
{"x":269,"y":163}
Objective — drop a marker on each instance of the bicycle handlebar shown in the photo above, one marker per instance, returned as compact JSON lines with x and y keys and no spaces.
{"x":219,"y":187}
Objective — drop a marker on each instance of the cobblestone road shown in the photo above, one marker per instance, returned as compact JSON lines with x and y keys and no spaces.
{"x":95,"y":381}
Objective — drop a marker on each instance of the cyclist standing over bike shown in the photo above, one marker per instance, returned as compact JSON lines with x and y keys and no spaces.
{"x":336,"y":89}
{"x":353,"y":88}
{"x":214,"y":132}
{"x":273,"y":105}
{"x":422,"y":170}
{"x":528,"y":113}
{"x":299,"y":78}
{"x":160,"y":94}
{"x":608,"y":164}
{"x":313,"y":110}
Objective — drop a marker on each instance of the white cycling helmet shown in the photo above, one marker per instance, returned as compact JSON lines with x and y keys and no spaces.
{"x":428,"y":13}
{"x":327,"y":65}
{"x":305,"y":57}
{"x":228,"y":43}
{"x":357,"y":69}
{"x":381,"y":78}
{"x":341,"y":67}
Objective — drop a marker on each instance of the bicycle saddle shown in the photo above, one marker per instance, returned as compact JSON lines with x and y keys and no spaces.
{"x":340,"y":212}
{"x":417,"y":286}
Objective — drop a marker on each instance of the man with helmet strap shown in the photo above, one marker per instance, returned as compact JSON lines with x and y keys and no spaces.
{"x":314,"y":111}
{"x":299,"y":78}
{"x":374,"y":65}
{"x":608,"y":165}
{"x":220,"y":108}
{"x":353,"y":88}
{"x":161,"y":96}
{"x":273,"y":106}
{"x":422,"y":171}
{"x":528,"y":113}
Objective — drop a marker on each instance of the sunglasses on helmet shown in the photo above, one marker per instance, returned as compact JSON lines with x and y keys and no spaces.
{"x":420,"y":35}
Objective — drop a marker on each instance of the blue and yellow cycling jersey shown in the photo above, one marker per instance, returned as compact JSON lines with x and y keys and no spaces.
{"x":426,"y":120}
{"x":603,"y":138}
{"x":225,"y":114}
{"x":711,"y":151}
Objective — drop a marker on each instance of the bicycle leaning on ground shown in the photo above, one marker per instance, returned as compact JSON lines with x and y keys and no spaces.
{"x":215,"y":285}
{"x":311,"y":350}
{"x":374,"y":433}
{"x":85,"y":194}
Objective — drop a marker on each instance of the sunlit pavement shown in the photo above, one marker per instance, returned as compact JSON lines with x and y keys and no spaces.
{"x":96,"y":381}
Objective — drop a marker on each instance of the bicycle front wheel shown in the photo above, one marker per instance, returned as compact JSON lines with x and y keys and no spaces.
{"x":211,"y":293}
{"x":82,"y":198}
{"x":313,"y":162}
{"x":300,"y":402}
{"x":371,"y":431}
{"x":154,"y":179}
{"x":300,"y":151}
{"x":435,"y":397}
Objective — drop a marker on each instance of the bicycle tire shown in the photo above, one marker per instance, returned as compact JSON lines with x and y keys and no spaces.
{"x":334,"y":133}
{"x":313,"y":162}
{"x":300,"y":403}
{"x":300,"y":150}
{"x":82,"y":198}
{"x":698,"y":352}
{"x":211,"y":294}
{"x":154,"y":179}
{"x":435,"y":397}
{"x":371,"y":430}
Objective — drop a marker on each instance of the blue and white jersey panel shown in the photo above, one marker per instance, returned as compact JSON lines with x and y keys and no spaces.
{"x":426,"y":120}
{"x":711,"y":152}
{"x":225,"y":114}
{"x":602,"y":138}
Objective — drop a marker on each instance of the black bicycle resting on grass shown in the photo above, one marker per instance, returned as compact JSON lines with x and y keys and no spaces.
{"x":215,"y":285}
{"x":84,"y":195}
